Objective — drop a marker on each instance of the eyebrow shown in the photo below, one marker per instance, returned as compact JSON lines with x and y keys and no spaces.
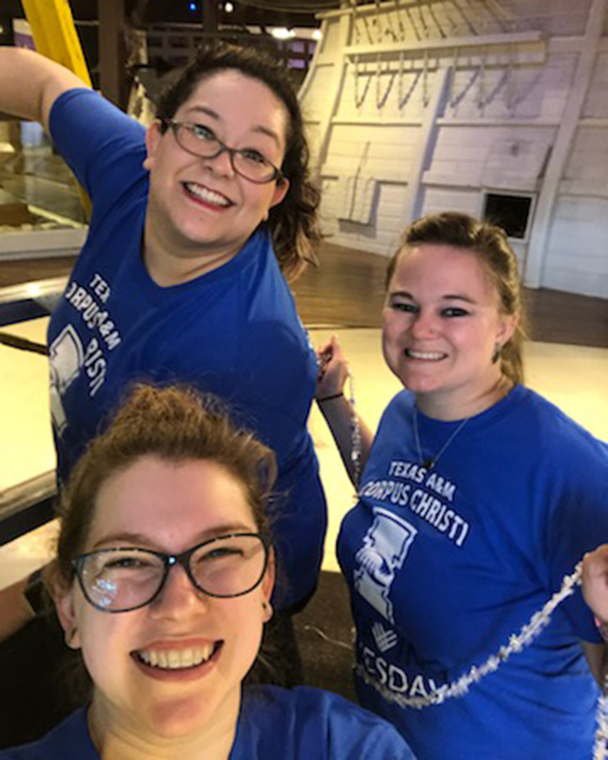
{"x":447,"y":297}
{"x":143,"y":541}
{"x":214,"y":115}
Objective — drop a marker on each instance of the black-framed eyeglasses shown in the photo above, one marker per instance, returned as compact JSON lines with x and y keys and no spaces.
{"x":201,"y":141}
{"x":126,"y":578}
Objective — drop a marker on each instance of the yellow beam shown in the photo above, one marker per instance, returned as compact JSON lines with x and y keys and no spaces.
{"x":55,"y":35}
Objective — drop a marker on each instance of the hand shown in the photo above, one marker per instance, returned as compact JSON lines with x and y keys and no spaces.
{"x":374,"y":564}
{"x":333,"y":369}
{"x":595,"y":582}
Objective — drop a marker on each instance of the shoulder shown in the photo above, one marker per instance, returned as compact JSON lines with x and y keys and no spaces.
{"x":70,"y":740}
{"x":267,"y":302}
{"x":102,"y":145}
{"x":399,"y":409}
{"x":83,"y":116}
{"x":555,"y":432}
{"x":263,"y":276}
{"x":320,"y":724}
{"x":80,"y":101}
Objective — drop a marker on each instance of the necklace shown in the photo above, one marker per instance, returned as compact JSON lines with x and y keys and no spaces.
{"x":517,"y":642}
{"x":355,"y":436}
{"x":431,"y":461}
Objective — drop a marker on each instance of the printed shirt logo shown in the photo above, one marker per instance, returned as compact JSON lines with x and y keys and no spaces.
{"x":71,"y":353}
{"x":66,"y":356}
{"x":385,"y":639}
{"x":385,"y":546}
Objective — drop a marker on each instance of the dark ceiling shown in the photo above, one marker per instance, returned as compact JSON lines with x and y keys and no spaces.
{"x":246,"y":12}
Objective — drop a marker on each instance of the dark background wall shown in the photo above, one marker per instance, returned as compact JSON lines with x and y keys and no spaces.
{"x":179,"y":11}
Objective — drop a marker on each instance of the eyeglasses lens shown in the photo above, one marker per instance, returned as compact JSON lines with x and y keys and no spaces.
{"x":229,"y":566}
{"x":119,"y":580}
{"x":250,"y":165}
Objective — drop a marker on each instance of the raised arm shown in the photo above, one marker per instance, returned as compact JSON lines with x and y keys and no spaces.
{"x":30,"y":84}
{"x":338,"y":413}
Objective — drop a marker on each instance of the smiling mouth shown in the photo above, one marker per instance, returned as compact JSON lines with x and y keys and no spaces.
{"x":428,"y":356}
{"x":177,"y":659}
{"x":209,"y":197}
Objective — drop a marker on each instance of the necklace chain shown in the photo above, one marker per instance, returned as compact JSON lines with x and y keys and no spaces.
{"x":355,"y":435}
{"x":429,"y":463}
{"x":517,"y":643}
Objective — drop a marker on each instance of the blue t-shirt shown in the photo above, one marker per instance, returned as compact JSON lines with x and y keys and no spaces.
{"x":444,"y":565}
{"x":233,"y":331}
{"x":296,"y":724}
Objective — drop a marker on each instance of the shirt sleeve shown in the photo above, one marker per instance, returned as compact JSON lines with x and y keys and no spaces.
{"x":103,"y":146}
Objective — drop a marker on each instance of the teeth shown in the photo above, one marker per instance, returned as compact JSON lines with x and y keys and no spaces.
{"x":207,"y":195}
{"x":428,"y":355}
{"x":176,"y":659}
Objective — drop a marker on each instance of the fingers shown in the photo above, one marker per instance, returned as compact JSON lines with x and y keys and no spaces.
{"x":595,"y":581}
{"x":595,"y":563}
{"x":333,"y":369}
{"x":328,"y":350}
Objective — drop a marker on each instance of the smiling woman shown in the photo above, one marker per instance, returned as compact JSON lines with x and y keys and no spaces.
{"x":163,"y":578}
{"x":196,"y":224}
{"x":198,"y":220}
{"x":477,"y":499}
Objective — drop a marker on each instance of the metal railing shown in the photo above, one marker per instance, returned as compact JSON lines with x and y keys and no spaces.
{"x":27,"y":505}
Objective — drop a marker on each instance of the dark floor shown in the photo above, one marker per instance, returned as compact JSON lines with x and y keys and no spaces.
{"x":325,"y":635}
{"x":347,"y":291}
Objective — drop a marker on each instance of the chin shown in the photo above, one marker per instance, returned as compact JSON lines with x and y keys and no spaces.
{"x":176,"y":718}
{"x":417,"y":384}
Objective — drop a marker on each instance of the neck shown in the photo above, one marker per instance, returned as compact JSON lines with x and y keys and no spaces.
{"x":458,"y":406}
{"x":170,"y":263}
{"x":117,"y":736}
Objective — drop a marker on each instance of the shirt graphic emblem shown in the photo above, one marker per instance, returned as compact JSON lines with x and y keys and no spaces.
{"x":385,"y":546}
{"x":385,"y":639}
{"x":66,"y":356}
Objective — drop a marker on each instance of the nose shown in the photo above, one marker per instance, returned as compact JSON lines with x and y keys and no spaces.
{"x":424,"y":324}
{"x":178,"y":596}
{"x":222,"y":164}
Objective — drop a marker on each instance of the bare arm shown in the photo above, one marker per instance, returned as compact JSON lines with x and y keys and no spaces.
{"x":595,"y":591}
{"x":337,"y":411}
{"x":30,"y":84}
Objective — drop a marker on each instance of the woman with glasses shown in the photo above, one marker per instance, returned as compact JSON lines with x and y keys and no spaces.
{"x":163,"y":578}
{"x":196,"y":223}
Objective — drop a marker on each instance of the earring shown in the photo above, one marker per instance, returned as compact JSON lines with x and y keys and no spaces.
{"x":268,"y":611}
{"x":497,"y":353}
